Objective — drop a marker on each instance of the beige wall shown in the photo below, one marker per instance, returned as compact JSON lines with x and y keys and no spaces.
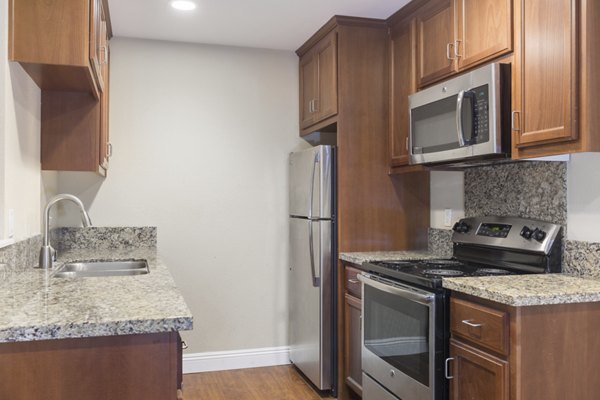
{"x":201,"y":138}
{"x":22,"y":188}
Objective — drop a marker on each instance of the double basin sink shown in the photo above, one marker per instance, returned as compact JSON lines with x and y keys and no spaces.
{"x":100,"y":268}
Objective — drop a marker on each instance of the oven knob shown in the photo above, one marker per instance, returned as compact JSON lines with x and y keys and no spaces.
{"x":539,"y":235}
{"x":392,"y":373}
{"x":461,"y":227}
{"x":526,"y":232}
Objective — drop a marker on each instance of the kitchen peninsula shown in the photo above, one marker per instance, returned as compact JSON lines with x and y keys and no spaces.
{"x":92,"y":338}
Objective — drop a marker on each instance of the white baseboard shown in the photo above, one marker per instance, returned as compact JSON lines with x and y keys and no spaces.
{"x":237,"y":359}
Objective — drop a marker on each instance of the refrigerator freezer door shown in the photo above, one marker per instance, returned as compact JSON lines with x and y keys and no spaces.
{"x":310,"y":327}
{"x":311,"y":182}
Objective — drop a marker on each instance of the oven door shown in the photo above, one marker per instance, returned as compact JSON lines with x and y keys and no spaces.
{"x":398,"y":337}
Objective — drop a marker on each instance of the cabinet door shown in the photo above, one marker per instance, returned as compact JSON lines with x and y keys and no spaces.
{"x":308,"y":89}
{"x":477,"y":375}
{"x":403,"y":83}
{"x":104,"y":99}
{"x":325,"y":104}
{"x":352,"y":340}
{"x":545,"y":92}
{"x":435,"y":45}
{"x":96,"y":40}
{"x":484,"y":30}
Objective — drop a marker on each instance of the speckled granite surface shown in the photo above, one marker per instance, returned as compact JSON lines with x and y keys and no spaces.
{"x":361,"y":257}
{"x":37,"y":306}
{"x":440,"y":242}
{"x":533,"y":189}
{"x":20,"y":255}
{"x":582,"y":259}
{"x":528,"y":290}
{"x":103,"y":237}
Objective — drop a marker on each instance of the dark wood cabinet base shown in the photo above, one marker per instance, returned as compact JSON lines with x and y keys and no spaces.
{"x":116,"y":367}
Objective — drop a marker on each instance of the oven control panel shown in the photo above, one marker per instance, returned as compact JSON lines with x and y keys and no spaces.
{"x":494,"y":230}
{"x":506,"y":232}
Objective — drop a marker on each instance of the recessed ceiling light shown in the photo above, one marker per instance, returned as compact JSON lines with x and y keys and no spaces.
{"x":184,"y":5}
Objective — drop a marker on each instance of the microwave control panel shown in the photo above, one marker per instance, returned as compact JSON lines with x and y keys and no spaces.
{"x":481,"y":117}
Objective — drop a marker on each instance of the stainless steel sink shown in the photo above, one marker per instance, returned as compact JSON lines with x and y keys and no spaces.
{"x":80,"y":269}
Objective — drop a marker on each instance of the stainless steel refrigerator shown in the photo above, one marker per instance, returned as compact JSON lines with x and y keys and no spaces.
{"x":312,"y":264}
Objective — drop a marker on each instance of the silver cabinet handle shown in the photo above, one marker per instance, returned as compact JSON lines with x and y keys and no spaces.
{"x":315,"y":105}
{"x":184,"y":345}
{"x":448,"y":56}
{"x":104,"y":54}
{"x":406,"y":143}
{"x":109,"y":150}
{"x":310,"y":107}
{"x":456,"y":52}
{"x":471,"y":324}
{"x":512,"y":121}
{"x":447,"y":368}
{"x":353,"y":281}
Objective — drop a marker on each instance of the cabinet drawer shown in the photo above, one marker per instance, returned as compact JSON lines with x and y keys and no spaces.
{"x":352,"y":283}
{"x":481,"y":325}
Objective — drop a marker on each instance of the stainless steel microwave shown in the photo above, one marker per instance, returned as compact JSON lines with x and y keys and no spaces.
{"x":462,"y":119}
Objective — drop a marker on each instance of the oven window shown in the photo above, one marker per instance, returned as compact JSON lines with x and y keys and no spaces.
{"x":397,"y":330}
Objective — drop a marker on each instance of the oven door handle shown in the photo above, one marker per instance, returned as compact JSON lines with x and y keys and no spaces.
{"x":415,"y":295}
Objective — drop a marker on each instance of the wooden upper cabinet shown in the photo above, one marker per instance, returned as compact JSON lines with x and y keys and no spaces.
{"x":56,"y":43}
{"x":105,"y":146}
{"x":403,"y":82}
{"x":435,"y":43}
{"x":74,"y":124}
{"x":455,"y":35}
{"x":318,"y":82}
{"x":545,"y":95}
{"x":97,"y":41}
{"x":484,"y":30}
{"x":308,"y":89}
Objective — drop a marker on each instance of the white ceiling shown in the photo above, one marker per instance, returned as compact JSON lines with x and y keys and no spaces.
{"x":270,"y":24}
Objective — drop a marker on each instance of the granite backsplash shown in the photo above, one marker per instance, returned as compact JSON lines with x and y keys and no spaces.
{"x":24,"y":254}
{"x":533,"y":189}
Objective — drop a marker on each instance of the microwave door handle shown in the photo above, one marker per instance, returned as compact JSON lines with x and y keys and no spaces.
{"x":459,"y":120}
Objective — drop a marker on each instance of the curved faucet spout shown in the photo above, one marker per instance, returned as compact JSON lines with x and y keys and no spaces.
{"x":47,"y":253}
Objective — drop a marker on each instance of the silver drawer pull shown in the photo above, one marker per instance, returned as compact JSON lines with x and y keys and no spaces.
{"x":353,"y":281}
{"x":447,"y":369}
{"x":472,"y":325}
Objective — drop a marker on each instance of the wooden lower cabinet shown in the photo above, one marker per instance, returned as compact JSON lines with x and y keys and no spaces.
{"x":351,"y":348}
{"x":353,"y":313}
{"x":476,"y":374}
{"x":128,"y":367}
{"x":552,"y":351}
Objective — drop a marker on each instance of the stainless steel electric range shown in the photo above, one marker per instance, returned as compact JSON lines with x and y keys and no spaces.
{"x":405,"y":328}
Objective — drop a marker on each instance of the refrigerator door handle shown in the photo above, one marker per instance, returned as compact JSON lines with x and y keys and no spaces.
{"x":315,"y":278}
{"x":312,"y":186}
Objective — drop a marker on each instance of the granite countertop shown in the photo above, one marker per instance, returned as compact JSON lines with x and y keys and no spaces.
{"x":528,"y":290}
{"x":35,"y":305}
{"x":361,"y":257}
{"x":513,"y":290}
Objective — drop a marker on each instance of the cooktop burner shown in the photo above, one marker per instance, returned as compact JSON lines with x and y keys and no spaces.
{"x":443,"y":272}
{"x":429,"y":273}
{"x":493,"y":271}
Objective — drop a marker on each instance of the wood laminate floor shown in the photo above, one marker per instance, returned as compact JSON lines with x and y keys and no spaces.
{"x":270,"y":383}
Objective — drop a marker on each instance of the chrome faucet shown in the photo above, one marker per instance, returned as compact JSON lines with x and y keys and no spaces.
{"x":47,"y":253}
